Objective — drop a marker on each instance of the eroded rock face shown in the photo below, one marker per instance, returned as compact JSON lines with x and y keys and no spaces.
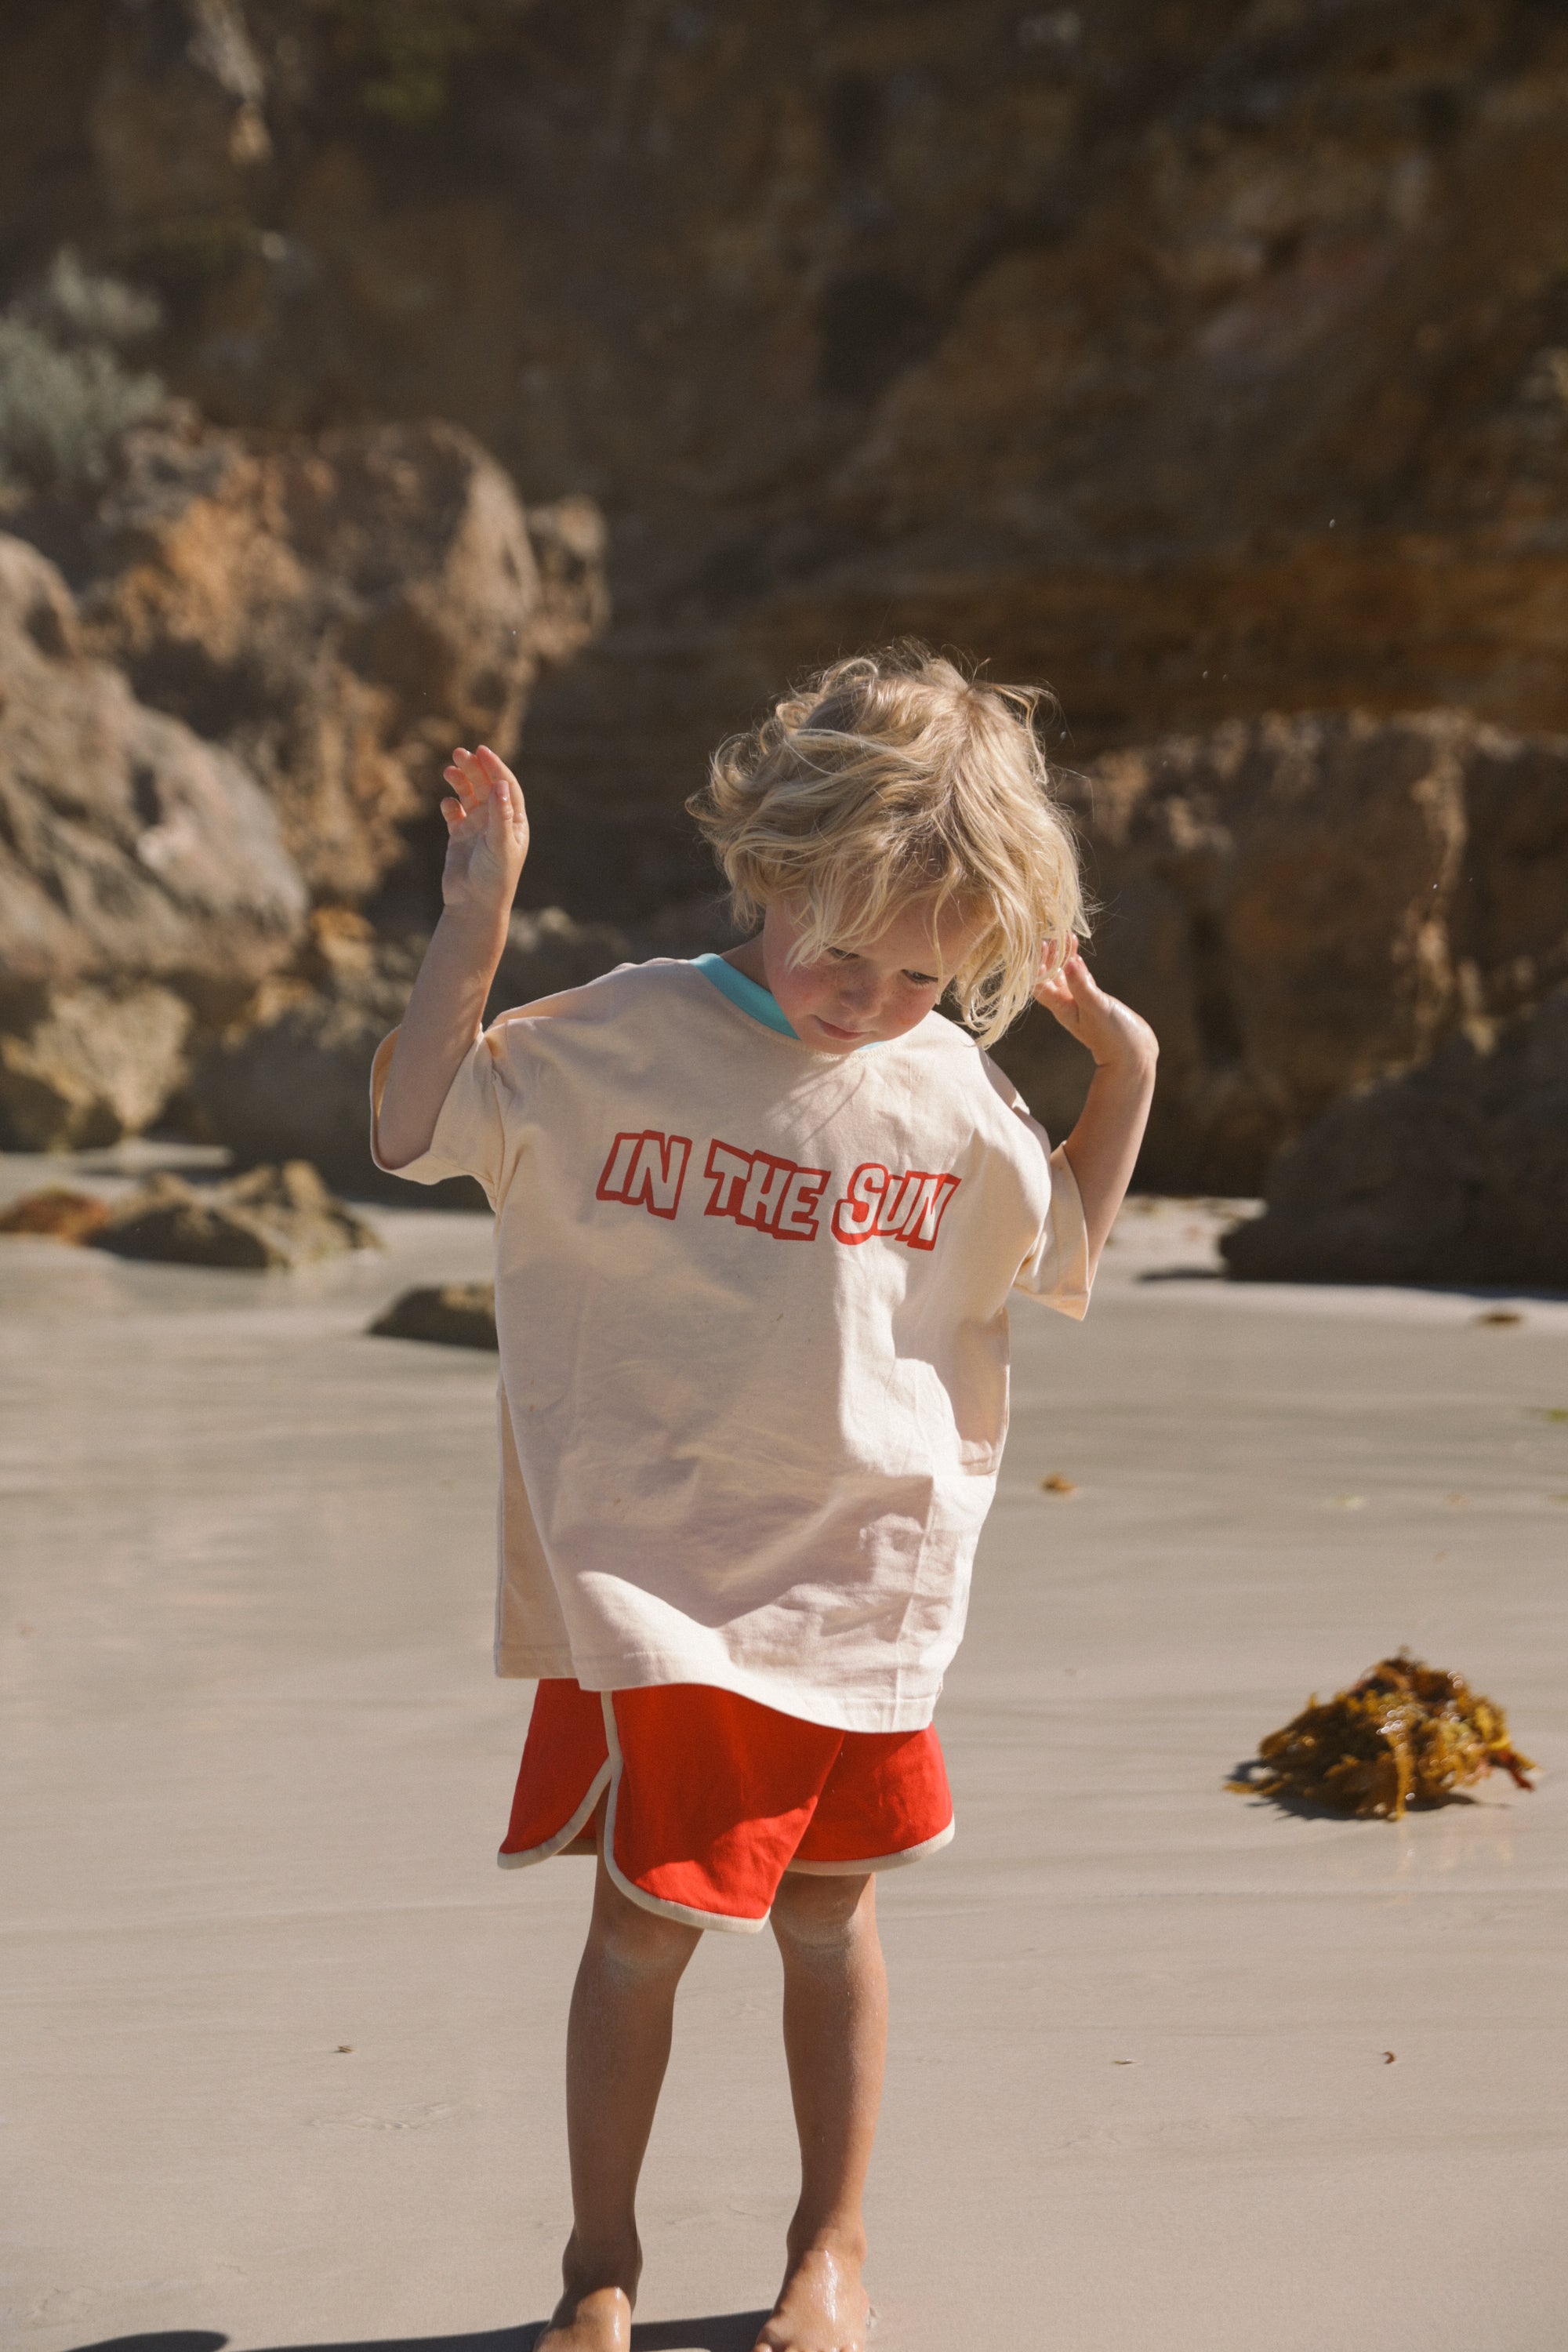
{"x":272,"y":1216}
{"x":1300,"y":905}
{"x":1454,"y":1172}
{"x":1201,"y":360}
{"x":177,"y":120}
{"x":338,"y":612}
{"x":142,"y":881}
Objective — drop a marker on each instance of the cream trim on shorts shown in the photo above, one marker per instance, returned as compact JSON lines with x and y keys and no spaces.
{"x":683,"y":1912}
{"x":575,"y":1827}
{"x":876,"y":1861}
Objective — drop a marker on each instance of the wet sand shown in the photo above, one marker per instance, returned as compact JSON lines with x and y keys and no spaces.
{"x":283,"y":2046}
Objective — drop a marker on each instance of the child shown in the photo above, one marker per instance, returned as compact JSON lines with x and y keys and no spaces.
{"x":758,"y":1218}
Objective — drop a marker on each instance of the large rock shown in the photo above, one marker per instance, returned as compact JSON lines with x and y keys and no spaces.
{"x":268,"y":1217}
{"x":1456,"y":1173}
{"x":338,"y":612}
{"x":87,"y":1066}
{"x":142,"y":882}
{"x":1300,"y":905}
{"x":293,"y":1078}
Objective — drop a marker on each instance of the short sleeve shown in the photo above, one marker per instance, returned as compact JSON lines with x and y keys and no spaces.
{"x":1057,"y":1270}
{"x":469,"y":1137}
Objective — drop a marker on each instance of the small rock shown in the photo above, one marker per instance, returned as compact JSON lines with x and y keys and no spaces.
{"x":56,"y":1214}
{"x":454,"y":1313}
{"x":268,"y":1217}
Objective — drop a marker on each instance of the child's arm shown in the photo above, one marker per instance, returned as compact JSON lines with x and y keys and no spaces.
{"x":487,"y":842}
{"x":1103,"y":1149}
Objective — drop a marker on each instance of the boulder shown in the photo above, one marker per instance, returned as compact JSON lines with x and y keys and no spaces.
{"x":143,"y":885}
{"x":280,"y":1216}
{"x":1456,"y":1173}
{"x":57,"y":1213}
{"x":453,"y":1314}
{"x":83,"y":1066}
{"x":294,"y":1077}
{"x":1302,"y":905}
{"x":339,"y":611}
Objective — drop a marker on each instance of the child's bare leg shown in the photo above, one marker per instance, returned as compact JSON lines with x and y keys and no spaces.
{"x":836,"y":2037}
{"x":617,"y":2046}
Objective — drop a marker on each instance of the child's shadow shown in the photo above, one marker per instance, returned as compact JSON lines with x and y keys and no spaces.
{"x":730,"y":2331}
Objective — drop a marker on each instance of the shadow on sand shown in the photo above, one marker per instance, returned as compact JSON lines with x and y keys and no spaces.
{"x":730,"y":2331}
{"x":1244,"y":1780}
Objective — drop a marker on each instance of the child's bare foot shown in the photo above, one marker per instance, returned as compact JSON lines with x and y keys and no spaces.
{"x":598,"y":2321}
{"x":822,"y":2306}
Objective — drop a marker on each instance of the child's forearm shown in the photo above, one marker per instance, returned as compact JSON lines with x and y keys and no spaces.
{"x":1102,"y":1150}
{"x":438,"y":1029}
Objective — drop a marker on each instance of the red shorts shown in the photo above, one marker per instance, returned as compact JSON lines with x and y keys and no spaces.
{"x":709,"y":1798}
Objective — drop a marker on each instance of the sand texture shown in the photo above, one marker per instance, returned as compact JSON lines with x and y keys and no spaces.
{"x":283,"y":2047}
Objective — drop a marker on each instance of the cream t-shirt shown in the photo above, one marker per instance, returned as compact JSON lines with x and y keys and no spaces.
{"x":752,"y":1306}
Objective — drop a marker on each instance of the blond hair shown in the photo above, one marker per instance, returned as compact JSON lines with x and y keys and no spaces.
{"x":892,"y":778}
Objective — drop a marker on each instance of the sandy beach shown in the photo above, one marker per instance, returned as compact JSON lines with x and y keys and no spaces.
{"x":1170,"y":2066}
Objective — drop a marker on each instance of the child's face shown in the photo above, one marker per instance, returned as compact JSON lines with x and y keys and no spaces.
{"x":843,"y":999}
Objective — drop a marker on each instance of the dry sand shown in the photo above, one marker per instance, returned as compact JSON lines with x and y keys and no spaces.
{"x":284,"y":2045}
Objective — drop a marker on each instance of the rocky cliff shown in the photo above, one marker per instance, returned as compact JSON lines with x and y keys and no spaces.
{"x":1210,"y":361}
{"x":1204,"y":360}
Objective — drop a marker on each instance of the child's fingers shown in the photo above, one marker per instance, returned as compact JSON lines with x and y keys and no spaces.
{"x":1080,"y":982}
{"x":507,"y":792}
{"x":470,"y":779}
{"x":493,"y":768}
{"x":506,"y":824}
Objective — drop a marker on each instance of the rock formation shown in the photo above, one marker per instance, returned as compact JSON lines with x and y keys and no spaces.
{"x":1300,"y":905}
{"x":338,"y":612}
{"x":1205,"y":359}
{"x":453,"y":1314}
{"x":1454,"y":1172}
{"x":142,"y":882}
{"x":56,"y":1214}
{"x":269,"y":1217}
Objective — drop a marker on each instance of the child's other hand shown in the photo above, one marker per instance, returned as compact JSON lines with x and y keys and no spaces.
{"x":487,"y":834}
{"x":1110,"y":1030}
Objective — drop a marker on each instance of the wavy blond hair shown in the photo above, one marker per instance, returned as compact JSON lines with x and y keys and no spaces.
{"x":893,"y":778}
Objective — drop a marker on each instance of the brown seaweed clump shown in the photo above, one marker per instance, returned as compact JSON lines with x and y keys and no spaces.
{"x":1404,"y":1734}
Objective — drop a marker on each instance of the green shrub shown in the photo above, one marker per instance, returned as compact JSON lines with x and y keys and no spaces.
{"x":65,"y":396}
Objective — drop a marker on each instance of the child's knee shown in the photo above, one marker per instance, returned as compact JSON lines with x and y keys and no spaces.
{"x":818,"y":1917}
{"x":642,"y":1943}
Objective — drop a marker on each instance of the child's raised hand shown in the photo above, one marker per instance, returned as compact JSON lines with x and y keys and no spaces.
{"x":487,"y":834}
{"x":1110,"y":1030}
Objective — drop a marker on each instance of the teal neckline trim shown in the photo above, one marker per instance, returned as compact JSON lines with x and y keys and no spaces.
{"x":743,"y":993}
